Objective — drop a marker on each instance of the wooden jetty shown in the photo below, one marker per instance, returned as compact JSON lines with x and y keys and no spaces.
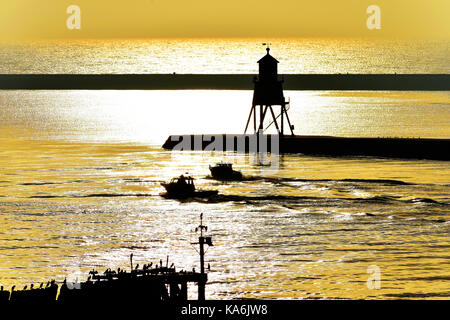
{"x":43,"y":293}
{"x":160,"y":284}
{"x":155,"y":284}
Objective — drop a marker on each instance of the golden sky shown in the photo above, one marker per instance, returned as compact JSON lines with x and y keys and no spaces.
{"x":226,"y":18}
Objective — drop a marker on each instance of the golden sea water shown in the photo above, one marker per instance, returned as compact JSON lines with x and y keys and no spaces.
{"x":308,"y":55}
{"x":80,"y":173}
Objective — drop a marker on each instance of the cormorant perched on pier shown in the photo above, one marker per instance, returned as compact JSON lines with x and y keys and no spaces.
{"x":4,"y":295}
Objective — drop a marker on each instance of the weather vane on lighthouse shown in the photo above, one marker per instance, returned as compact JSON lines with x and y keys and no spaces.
{"x":267,"y":44}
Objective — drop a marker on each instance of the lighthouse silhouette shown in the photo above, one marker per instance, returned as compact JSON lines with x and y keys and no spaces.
{"x":268,"y":92}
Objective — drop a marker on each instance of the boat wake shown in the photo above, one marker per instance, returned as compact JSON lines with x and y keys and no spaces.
{"x":313,"y":200}
{"x":364,"y":181}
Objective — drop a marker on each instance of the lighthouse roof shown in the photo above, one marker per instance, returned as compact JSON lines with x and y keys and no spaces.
{"x":268,"y":58}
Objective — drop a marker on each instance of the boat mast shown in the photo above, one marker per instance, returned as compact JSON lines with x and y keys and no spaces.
{"x":202,"y":241}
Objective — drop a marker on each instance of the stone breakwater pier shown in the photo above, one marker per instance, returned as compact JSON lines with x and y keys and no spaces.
{"x":406,"y":148}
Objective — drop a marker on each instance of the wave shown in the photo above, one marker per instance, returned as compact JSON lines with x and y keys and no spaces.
{"x":93,"y":195}
{"x":43,"y":183}
{"x":37,"y":183}
{"x":424,"y":200}
{"x":418,"y":295}
{"x":426,"y":278}
{"x":107,"y":195}
{"x":378,"y":199}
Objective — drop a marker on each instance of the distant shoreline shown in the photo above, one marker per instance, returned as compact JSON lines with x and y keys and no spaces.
{"x":376,"y":82}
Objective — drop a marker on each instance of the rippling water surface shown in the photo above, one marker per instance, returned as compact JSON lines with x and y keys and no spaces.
{"x":80,"y":175}
{"x":309,"y":55}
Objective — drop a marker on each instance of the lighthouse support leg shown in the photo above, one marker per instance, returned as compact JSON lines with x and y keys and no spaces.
{"x":254,"y":118}
{"x":261,"y":117}
{"x":263,"y":111}
{"x":274,"y":119}
{"x":289,"y":122}
{"x":249,"y":117}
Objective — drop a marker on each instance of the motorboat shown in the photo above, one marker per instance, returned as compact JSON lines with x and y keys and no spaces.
{"x":224,"y":171}
{"x":184,"y":187}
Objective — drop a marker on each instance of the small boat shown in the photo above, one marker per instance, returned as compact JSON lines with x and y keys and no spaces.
{"x":224,"y":171}
{"x":184,"y":187}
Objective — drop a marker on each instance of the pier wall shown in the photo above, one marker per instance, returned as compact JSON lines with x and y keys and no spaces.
{"x":431,"y":82}
{"x":408,"y":148}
